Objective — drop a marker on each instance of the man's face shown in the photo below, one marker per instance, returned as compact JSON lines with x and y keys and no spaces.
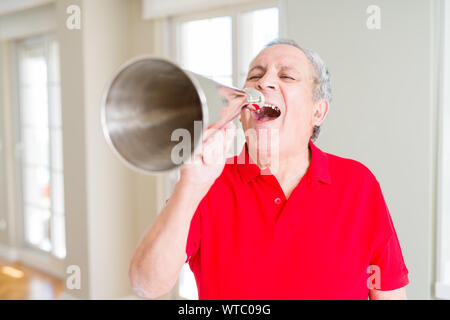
{"x":284,"y":75}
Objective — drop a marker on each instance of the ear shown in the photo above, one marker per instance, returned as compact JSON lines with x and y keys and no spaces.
{"x":320,"y":112}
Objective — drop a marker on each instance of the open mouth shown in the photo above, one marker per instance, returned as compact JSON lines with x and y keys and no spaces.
{"x":267,"y":112}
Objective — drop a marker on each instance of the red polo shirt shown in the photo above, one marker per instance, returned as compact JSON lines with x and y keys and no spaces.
{"x":247,"y":241}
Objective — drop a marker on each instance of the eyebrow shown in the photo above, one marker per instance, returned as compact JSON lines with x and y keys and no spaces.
{"x":287,"y":68}
{"x":282,"y":68}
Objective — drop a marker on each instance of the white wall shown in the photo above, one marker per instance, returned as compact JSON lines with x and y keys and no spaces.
{"x":27,"y":23}
{"x":7,"y":243}
{"x":3,"y":207}
{"x":7,"y":235}
{"x":384,"y":109}
{"x":148,"y":189}
{"x":107,"y":206}
{"x":74,"y":146}
{"x":10,"y":6}
{"x":121,"y":204}
{"x":111,"y":209}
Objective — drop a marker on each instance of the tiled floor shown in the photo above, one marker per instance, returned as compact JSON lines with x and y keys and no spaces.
{"x":19,"y":282}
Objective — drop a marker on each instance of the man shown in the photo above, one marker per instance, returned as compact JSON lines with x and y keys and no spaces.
{"x":309,"y":225}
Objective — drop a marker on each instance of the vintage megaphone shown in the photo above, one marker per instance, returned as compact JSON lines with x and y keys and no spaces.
{"x":149,"y":98}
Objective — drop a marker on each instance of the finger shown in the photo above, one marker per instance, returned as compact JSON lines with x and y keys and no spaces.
{"x":196,"y":156}
{"x":213,"y":148}
{"x":209,"y":133}
{"x":230,"y":132}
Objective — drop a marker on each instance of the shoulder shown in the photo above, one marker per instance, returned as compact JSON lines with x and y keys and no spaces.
{"x":354,"y":180}
{"x":350,"y":170}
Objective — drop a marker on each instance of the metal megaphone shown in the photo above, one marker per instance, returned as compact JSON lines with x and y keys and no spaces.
{"x":149,"y":98}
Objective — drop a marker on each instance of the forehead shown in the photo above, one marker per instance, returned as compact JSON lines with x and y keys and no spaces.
{"x":282,"y":55}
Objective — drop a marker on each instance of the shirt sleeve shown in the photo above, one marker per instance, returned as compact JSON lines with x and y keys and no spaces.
{"x":387,"y":261}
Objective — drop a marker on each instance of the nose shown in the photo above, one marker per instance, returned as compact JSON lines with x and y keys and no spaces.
{"x":267,"y":82}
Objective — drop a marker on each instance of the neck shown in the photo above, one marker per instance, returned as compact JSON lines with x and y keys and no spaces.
{"x":292,"y":167}
{"x":287,"y":165}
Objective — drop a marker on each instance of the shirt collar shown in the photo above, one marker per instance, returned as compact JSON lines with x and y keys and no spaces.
{"x":318,"y":168}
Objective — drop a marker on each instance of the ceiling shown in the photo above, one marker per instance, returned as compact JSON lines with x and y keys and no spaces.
{"x":9,"y":6}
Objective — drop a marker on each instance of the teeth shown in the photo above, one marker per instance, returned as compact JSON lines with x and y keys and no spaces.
{"x":272,"y":107}
{"x":268,"y":106}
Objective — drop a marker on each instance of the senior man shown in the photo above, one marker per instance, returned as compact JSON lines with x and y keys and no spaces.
{"x":310,"y":225}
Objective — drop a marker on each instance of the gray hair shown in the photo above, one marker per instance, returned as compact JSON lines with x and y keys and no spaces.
{"x":321,"y":76}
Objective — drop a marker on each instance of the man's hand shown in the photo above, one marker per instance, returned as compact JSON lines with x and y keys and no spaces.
{"x":161,"y":252}
{"x":208,"y":162}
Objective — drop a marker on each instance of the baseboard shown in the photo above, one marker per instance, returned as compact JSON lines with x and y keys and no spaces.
{"x":42,"y":262}
{"x":67,"y":296}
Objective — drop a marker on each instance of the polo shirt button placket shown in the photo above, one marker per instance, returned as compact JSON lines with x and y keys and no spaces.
{"x":277,"y":200}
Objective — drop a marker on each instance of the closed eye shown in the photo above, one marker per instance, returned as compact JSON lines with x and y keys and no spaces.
{"x":254,"y":77}
{"x":287,"y":77}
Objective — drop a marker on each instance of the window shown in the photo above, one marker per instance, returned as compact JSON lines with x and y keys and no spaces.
{"x":203,"y":43}
{"x":40,"y":145}
{"x":221,"y":46}
{"x":257,"y":28}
